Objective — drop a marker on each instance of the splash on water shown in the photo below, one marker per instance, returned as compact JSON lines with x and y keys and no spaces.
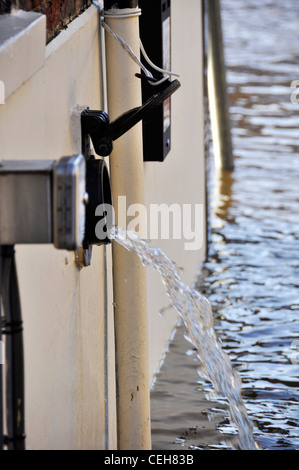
{"x":196,"y":313}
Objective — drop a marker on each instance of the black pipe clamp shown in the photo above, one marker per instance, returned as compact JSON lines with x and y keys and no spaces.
{"x":96,"y":124}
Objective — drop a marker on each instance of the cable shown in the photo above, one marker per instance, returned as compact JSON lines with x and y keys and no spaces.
{"x":125,"y":12}
{"x":126,"y":48}
{"x":158,"y":69}
{"x":167,"y":74}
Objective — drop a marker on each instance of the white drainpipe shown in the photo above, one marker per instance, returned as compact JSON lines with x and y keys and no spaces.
{"x":129,"y":276}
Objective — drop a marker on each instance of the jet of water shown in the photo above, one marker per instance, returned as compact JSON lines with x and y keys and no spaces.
{"x":196,"y":313}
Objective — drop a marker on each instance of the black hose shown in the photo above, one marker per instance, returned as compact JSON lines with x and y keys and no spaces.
{"x":12,"y":328}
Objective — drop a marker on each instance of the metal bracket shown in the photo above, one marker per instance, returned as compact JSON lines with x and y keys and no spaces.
{"x":102,"y":133}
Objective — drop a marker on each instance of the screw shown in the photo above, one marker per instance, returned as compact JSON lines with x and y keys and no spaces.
{"x":104,"y":149}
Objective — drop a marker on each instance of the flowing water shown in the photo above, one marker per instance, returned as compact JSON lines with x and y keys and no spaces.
{"x":195,"y":311}
{"x":251,"y":277}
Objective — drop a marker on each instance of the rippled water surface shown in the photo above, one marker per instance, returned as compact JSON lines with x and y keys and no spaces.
{"x":252,"y":274}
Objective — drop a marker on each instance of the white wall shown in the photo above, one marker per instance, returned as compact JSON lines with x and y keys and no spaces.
{"x":65,"y":329}
{"x":63,"y":307}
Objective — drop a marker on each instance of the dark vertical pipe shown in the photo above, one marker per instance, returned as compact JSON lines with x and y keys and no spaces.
{"x":13,"y":330}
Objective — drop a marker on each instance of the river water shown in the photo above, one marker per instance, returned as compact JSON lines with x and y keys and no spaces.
{"x":252,"y":274}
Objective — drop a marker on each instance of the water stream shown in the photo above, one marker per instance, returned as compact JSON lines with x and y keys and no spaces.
{"x":196,"y":313}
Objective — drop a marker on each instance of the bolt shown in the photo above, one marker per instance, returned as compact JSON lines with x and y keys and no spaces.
{"x":104,"y":149}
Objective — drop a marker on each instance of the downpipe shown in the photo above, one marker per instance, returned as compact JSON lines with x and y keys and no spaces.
{"x":129,"y":276}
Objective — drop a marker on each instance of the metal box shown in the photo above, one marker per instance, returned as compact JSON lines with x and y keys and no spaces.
{"x":43,"y":201}
{"x":25,"y":201}
{"x":69,"y":198}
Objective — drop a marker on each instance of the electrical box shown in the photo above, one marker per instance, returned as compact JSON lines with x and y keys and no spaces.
{"x":69,"y":188}
{"x":155,"y":34}
{"x":43,"y":201}
{"x":25,"y":201}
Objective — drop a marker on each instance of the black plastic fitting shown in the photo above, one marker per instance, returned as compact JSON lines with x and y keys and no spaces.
{"x":99,"y":193}
{"x":95,"y":124}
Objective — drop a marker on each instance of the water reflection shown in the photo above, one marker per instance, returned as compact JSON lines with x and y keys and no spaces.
{"x":222,"y":194}
{"x":252,"y":281}
{"x":252,"y":276}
